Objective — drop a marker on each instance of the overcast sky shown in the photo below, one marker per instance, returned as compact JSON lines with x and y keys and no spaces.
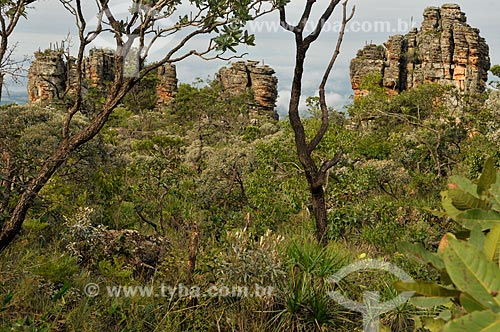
{"x":49,"y":22}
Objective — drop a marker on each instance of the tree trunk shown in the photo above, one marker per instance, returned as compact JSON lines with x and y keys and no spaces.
{"x":6,"y":181}
{"x":13,"y":226}
{"x":316,"y":174}
{"x":1,"y":86}
{"x":320,"y":215}
{"x":194,"y":240}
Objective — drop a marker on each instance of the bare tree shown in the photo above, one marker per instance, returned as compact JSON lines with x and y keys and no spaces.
{"x":315,"y":174}
{"x":10,"y":13}
{"x":222,"y":21}
{"x":12,"y":67}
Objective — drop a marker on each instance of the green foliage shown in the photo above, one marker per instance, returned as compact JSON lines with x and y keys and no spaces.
{"x":115,"y":269}
{"x":375,"y":100}
{"x":477,"y":203}
{"x":481,"y":321}
{"x":495,"y":70}
{"x":366,"y":202}
{"x":29,"y":134}
{"x":57,"y":269}
{"x":143,"y":96}
{"x":374,"y":146}
{"x":249,"y":260}
{"x":35,"y":225}
{"x":251,"y":133}
{"x":209,"y":159}
{"x":469,"y":267}
{"x":211,"y":109}
{"x":303,"y":300}
{"x":416,"y":127}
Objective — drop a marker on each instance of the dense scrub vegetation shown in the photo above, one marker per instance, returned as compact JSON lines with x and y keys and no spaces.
{"x":219,"y":187}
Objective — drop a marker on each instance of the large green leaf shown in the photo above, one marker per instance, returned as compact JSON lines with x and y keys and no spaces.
{"x":477,"y":237}
{"x":469,"y":304}
{"x":487,"y":178}
{"x":429,"y":302}
{"x":460,"y":182}
{"x":492,"y":244}
{"x":473,"y":273}
{"x":465,"y":201}
{"x":420,"y":254}
{"x":426,"y":288}
{"x":495,"y":194}
{"x":429,"y":323}
{"x":486,"y":219}
{"x":478,"y":321}
{"x":448,"y":206}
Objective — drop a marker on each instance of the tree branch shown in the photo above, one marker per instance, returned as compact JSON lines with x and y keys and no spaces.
{"x":324,"y":18}
{"x":138,"y":210}
{"x":305,"y":16}
{"x":322,"y":95}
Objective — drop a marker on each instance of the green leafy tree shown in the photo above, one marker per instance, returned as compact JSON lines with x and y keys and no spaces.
{"x":29,"y":135}
{"x":142,"y":97}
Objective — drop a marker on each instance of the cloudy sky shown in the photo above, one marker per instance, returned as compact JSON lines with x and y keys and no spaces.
{"x":374,"y":21}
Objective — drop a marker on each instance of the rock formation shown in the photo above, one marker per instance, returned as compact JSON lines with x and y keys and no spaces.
{"x":50,"y":76}
{"x":371,"y":59}
{"x":138,"y":252}
{"x":445,"y":50}
{"x":47,"y":76}
{"x":250,"y":76}
{"x":167,"y":84}
{"x":99,"y":67}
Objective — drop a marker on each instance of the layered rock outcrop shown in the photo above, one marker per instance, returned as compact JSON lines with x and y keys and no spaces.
{"x":50,"y":75}
{"x":369,"y":60}
{"x":99,"y":67}
{"x":251,"y":77}
{"x":47,"y":76}
{"x":445,"y":50}
{"x":167,"y":84}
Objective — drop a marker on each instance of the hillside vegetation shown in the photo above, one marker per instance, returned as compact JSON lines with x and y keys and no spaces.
{"x":206,"y":194}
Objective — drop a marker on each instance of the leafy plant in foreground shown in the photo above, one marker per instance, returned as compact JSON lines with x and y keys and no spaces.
{"x":303,"y":303}
{"x":469,"y":261}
